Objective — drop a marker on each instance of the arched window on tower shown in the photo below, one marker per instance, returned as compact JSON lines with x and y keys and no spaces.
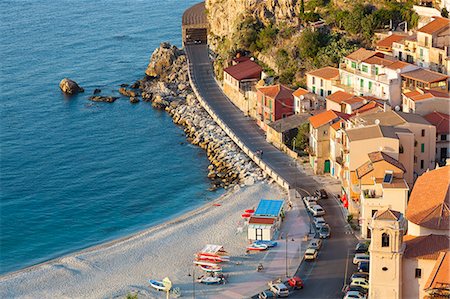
{"x":385,"y":240}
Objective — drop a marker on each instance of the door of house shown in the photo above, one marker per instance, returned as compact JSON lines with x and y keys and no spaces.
{"x":443,"y":154}
{"x":369,"y":233}
{"x":259,"y":233}
{"x":327,"y":166}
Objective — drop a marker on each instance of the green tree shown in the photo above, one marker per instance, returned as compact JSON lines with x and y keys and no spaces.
{"x":302,"y":138}
{"x":444,"y":12}
{"x":266,"y":37}
{"x":310,"y":42}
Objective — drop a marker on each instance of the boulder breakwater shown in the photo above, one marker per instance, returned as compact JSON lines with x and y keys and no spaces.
{"x":166,"y":86}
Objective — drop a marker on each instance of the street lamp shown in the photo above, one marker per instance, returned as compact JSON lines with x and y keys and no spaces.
{"x":287,"y":240}
{"x":294,"y":140}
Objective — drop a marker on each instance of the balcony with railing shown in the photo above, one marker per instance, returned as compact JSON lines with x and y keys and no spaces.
{"x":382,"y":78}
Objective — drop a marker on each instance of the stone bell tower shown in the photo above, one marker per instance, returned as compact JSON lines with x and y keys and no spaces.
{"x":386,"y":253}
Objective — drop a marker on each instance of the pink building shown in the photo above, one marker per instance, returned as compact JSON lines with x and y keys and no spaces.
{"x":274,"y":102}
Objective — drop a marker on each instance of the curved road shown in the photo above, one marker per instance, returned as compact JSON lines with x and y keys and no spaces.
{"x":325,"y":277}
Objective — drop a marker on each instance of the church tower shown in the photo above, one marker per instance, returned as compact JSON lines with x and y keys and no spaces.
{"x":386,"y":253}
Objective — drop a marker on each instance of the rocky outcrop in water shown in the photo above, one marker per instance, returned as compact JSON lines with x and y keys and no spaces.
{"x":107,"y":99}
{"x":167,"y":87}
{"x":69,"y":86}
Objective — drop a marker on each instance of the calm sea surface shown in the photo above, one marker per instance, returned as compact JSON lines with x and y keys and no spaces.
{"x":74,"y":173}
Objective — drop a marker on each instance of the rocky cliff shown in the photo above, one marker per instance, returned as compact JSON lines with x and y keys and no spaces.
{"x":225,"y":15}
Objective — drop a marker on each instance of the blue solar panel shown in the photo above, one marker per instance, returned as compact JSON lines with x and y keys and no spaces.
{"x":269,"y":207}
{"x":388,"y":178}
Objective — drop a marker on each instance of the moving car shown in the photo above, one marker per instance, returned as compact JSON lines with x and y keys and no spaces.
{"x":321,"y":193}
{"x":317,"y":210}
{"x":315,"y":244}
{"x":319,"y":222}
{"x":310,"y":254}
{"x":362,"y":247}
{"x":361,"y":257}
{"x":295,"y":282}
{"x":324,"y":231}
{"x":360,"y":282}
{"x":266,"y":294}
{"x":279,"y":289}
{"x":354,"y":295}
{"x":363,"y":267}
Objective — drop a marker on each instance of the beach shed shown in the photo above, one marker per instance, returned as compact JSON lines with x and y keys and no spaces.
{"x":265,"y":222}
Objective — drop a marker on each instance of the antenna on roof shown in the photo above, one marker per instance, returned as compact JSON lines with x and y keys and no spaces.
{"x":377,"y":121}
{"x":397,"y":108}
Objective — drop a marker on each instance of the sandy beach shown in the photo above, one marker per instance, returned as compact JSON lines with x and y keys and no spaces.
{"x":123,"y":266}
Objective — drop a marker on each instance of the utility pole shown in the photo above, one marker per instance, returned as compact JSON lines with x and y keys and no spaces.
{"x":193,"y":282}
{"x":287,"y":240}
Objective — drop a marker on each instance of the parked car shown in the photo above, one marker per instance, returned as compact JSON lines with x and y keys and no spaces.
{"x":363,"y":267}
{"x":266,"y":294}
{"x":360,"y":282}
{"x":324,"y":231}
{"x":356,"y":289}
{"x":309,"y":201}
{"x":315,"y":244}
{"x":361,"y":257}
{"x":317,"y":210}
{"x":319,"y":222}
{"x":321,"y":193}
{"x":354,"y":295}
{"x":310,"y":254}
{"x":295,"y":282}
{"x":360,"y":275}
{"x":362,"y":247}
{"x":279,"y":289}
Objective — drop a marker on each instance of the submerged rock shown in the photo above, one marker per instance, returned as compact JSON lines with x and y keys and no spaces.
{"x":97,"y":91}
{"x":134,"y":100}
{"x":69,"y":86}
{"x":107,"y":99}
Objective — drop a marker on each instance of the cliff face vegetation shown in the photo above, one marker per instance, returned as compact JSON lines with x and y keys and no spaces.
{"x":280,"y":34}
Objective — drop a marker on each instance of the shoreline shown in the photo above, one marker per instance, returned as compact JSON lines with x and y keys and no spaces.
{"x":70,"y":276}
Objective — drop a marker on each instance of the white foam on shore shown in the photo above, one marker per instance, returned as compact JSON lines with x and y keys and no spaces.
{"x":123,"y":266}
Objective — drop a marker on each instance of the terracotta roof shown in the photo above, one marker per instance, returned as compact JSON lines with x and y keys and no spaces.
{"x":289,"y":123}
{"x":425,"y":76}
{"x":425,"y":247}
{"x":387,"y":214}
{"x":361,"y":54}
{"x":195,"y":15}
{"x":244,"y":70}
{"x":337,"y":125}
{"x":424,"y":94}
{"x":380,"y":156}
{"x":440,"y":120}
{"x":436,"y":25}
{"x":370,"y":132}
{"x":339,"y":96}
{"x":261,"y":220}
{"x":276,"y":92}
{"x":355,"y":100}
{"x":364,"y":169}
{"x":326,"y":117}
{"x":327,"y":73}
{"x":372,"y":106}
{"x":387,"y":42}
{"x":241,"y":59}
{"x":428,"y":204}
{"x":440,"y":275}
{"x":378,"y":61}
{"x":300,"y":92}
{"x":397,"y":183}
{"x":398,"y":65}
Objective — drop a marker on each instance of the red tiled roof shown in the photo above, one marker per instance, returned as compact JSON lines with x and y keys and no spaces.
{"x":361,"y":54}
{"x":241,"y":59}
{"x":436,"y":25}
{"x":378,"y":61}
{"x":323,"y":118}
{"x":276,"y":92}
{"x":440,"y":120}
{"x":424,"y":94}
{"x":398,"y":65}
{"x":368,"y":107}
{"x":387,"y":42}
{"x":327,"y":73}
{"x":425,"y":247}
{"x":425,"y":76}
{"x":339,"y":96}
{"x":429,"y":202}
{"x":300,"y":92}
{"x":380,"y":156}
{"x":387,"y":214}
{"x":261,"y":220}
{"x":440,"y":275}
{"x":244,"y":70}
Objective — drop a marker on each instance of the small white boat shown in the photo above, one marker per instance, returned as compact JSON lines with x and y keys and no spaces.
{"x":257,"y":247}
{"x":158,"y":285}
{"x":211,"y":280}
{"x":212,"y":257}
{"x":204,"y":263}
{"x":211,"y":269}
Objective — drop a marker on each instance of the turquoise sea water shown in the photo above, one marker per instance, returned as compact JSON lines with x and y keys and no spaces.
{"x":73,"y":173}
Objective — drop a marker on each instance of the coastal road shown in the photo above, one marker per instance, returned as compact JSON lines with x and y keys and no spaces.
{"x":325,"y":277}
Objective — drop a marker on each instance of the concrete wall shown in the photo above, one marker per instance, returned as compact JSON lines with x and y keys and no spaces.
{"x":412,"y":286}
{"x":425,"y":107}
{"x":319,"y":85}
{"x":359,"y":149}
{"x":417,"y":230}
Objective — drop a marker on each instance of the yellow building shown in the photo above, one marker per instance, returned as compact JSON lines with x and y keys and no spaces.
{"x":413,"y":261}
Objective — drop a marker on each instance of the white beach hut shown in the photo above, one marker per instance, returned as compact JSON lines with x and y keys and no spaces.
{"x":266,"y":220}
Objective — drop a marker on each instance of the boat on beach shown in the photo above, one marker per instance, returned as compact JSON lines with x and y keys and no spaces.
{"x":158,"y":285}
{"x":211,"y":280}
{"x":257,"y":247}
{"x":212,"y":253}
{"x":268,"y":243}
{"x":211,"y":269}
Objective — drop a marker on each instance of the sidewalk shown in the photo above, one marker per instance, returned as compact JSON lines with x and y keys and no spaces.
{"x":274,"y":260}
